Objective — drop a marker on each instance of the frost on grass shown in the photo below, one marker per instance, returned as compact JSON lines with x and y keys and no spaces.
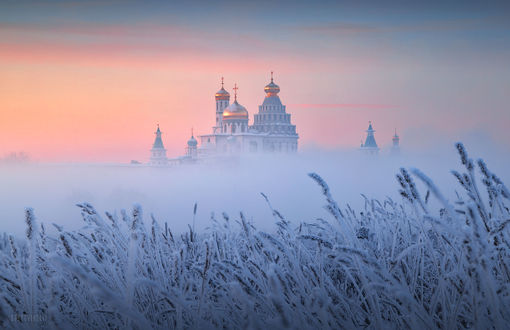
{"x":391,"y":265}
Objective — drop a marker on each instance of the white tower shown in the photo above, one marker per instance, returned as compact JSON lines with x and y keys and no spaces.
{"x":158,"y":151}
{"x":370,"y":147}
{"x":222,"y":101}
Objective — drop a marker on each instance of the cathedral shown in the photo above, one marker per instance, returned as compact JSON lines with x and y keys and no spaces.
{"x":271,"y":130}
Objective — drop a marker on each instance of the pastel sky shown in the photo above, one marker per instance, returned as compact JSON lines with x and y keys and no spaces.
{"x":89,"y":80}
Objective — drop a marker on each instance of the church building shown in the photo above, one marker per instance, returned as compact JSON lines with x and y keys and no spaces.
{"x":271,"y":130}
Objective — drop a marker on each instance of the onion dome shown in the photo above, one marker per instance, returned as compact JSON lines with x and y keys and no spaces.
{"x":222,"y":94}
{"x":192,"y":142}
{"x":235,"y":111}
{"x":272,"y":89}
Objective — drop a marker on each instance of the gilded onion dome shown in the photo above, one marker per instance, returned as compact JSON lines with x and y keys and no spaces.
{"x":235,"y":111}
{"x":272,"y":89}
{"x":222,"y":94}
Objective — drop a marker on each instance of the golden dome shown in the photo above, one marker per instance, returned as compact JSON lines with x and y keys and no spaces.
{"x":272,"y":89}
{"x":235,"y":111}
{"x":222,"y":94}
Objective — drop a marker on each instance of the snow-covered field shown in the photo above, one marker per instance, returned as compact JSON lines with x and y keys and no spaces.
{"x":428,"y":257}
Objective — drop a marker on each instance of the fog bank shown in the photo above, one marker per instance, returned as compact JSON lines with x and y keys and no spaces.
{"x":229,"y":186}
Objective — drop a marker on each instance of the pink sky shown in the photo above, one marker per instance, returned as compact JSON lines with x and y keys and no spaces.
{"x":75,"y":90}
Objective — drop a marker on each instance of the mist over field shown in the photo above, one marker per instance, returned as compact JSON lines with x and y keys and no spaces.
{"x":231,"y":185}
{"x":431,"y":256}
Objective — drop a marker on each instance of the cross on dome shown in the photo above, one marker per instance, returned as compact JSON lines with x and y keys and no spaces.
{"x":235,"y":91}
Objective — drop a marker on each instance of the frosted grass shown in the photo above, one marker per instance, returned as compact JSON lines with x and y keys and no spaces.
{"x":390,"y":265}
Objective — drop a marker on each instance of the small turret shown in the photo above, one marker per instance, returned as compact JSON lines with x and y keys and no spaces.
{"x":370,"y":146}
{"x":395,"y":149}
{"x":191,"y":150}
{"x":158,"y":151}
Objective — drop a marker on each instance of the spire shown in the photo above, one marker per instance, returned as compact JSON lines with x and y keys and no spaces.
{"x":191,"y":131}
{"x":235,"y":92}
{"x":158,"y":142}
{"x":370,"y":140}
{"x":396,"y":140}
{"x":271,"y":76}
{"x":370,"y":129}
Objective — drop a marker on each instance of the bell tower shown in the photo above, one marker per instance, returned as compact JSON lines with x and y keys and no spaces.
{"x":222,"y":101}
